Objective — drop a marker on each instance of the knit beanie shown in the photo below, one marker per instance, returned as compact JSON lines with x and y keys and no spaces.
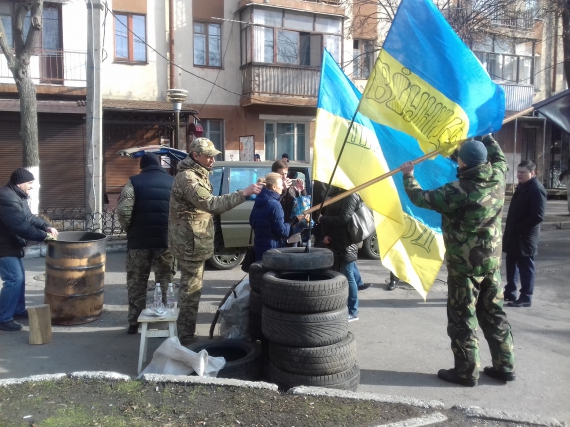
{"x":21,"y":175}
{"x":149,"y":159}
{"x":473,"y":153}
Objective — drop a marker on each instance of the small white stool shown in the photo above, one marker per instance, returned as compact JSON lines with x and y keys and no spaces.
{"x":171,"y":316}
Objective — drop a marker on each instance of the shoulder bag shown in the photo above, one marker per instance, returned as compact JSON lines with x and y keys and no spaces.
{"x":361,"y":224}
{"x":249,"y":255}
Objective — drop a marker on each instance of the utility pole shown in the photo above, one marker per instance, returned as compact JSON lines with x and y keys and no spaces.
{"x":94,"y":119}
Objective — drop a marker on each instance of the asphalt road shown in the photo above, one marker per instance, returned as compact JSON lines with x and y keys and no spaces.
{"x":401,"y":339}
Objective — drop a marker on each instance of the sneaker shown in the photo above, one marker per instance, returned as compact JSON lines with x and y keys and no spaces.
{"x":391,"y":286}
{"x":365,"y":286}
{"x":498,"y":375}
{"x":450,"y":375}
{"x":10,"y":326}
{"x":22,"y":315}
{"x":352,"y":317}
{"x":510,"y":297}
{"x":519,"y":303}
{"x":133,"y":329}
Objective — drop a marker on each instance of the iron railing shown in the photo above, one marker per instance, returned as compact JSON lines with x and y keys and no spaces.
{"x":78,"y":219}
{"x":264,"y":79}
{"x":53,"y":66}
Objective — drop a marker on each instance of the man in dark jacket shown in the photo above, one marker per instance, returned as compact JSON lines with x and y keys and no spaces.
{"x":471,"y":209}
{"x":522,"y":231}
{"x":143,"y":214}
{"x":17,"y":224}
{"x":334,"y":223}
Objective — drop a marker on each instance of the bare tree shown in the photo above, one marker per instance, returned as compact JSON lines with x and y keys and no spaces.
{"x":565,"y":11}
{"x":18,"y":61}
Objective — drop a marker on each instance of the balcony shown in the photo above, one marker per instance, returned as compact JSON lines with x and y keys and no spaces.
{"x":66,"y":68}
{"x":517,"y":96}
{"x":280,"y":85}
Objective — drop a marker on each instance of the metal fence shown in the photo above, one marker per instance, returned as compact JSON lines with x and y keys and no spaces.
{"x":77,"y":219}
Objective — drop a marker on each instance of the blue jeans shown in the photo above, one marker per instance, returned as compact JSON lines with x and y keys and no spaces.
{"x":12,"y":295}
{"x":350,"y":270}
{"x":520,"y":267}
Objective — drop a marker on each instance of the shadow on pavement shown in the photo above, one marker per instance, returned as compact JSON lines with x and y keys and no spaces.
{"x":402,"y":303}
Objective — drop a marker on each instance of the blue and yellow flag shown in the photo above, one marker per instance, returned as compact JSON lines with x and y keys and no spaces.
{"x":428,"y":84}
{"x":409,"y":238}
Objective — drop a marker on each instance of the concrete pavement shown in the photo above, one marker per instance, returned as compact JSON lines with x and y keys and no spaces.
{"x":401,"y":339}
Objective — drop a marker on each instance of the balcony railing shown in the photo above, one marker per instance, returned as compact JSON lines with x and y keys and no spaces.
{"x":60,"y":67}
{"x":517,"y":97}
{"x":275,"y":80}
{"x":522,"y":20}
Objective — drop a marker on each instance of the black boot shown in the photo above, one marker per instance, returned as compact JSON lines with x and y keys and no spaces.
{"x":450,"y":375}
{"x":133,"y":329}
{"x":498,"y":375}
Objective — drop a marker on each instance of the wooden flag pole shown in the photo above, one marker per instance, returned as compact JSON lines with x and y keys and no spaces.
{"x":395,"y":171}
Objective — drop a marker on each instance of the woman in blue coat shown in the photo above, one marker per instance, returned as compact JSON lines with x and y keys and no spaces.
{"x":270,"y":227}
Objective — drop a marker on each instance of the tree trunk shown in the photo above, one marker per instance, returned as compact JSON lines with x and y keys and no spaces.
{"x":566,"y":38}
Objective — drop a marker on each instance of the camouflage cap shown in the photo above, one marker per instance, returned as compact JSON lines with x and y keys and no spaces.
{"x":204,"y":145}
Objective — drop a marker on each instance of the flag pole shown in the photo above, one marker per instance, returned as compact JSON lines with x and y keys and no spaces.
{"x":395,"y":171}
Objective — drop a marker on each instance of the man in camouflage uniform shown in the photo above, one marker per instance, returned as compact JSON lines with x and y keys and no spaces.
{"x":143,"y":214}
{"x":471,"y":223}
{"x":191,"y":227}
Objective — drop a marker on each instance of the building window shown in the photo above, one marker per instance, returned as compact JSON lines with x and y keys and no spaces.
{"x":130,"y":37}
{"x":214,"y":131}
{"x":287,"y":138}
{"x":506,"y":67}
{"x":289,"y":37}
{"x":50,"y":36}
{"x":363,"y":58}
{"x":207,"y":44}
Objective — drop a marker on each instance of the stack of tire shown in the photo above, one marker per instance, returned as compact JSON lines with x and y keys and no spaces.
{"x":304,"y":319}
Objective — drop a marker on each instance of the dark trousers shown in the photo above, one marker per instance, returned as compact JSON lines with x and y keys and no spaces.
{"x":520,"y":267}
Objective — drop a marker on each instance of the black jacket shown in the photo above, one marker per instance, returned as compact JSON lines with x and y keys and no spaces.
{"x":17,"y":224}
{"x":334,"y":224}
{"x":526,"y":212}
{"x":149,"y":221}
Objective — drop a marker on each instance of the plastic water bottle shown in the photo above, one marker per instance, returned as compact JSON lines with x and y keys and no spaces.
{"x":170,"y":297}
{"x":158,"y":305}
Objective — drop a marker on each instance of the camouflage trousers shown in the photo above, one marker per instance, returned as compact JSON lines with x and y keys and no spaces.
{"x":191,"y":276}
{"x":476,"y":300}
{"x":139,"y":263}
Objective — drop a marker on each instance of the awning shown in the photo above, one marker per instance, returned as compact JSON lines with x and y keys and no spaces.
{"x":556,"y":109}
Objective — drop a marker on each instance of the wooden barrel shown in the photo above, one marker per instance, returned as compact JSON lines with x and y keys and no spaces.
{"x":75,"y":276}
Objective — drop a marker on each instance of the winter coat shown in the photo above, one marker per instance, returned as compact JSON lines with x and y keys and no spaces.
{"x":268,"y":223}
{"x":143,"y":208}
{"x":334,"y":224}
{"x":526,"y":212}
{"x":17,"y":224}
{"x":287,"y":200}
{"x":192,"y":206}
{"x":471,"y":213}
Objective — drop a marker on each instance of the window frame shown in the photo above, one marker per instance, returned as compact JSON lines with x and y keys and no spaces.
{"x":293,"y":155}
{"x":362,"y":57}
{"x":207,"y":45}
{"x":206,"y":134}
{"x":517,"y":72}
{"x":130,"y":39}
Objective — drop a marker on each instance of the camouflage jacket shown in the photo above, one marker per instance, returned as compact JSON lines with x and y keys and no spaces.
{"x":471,"y":213}
{"x":126,"y":205}
{"x":192,"y":206}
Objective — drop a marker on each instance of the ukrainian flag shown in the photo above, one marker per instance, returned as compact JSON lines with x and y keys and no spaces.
{"x":409,"y":238}
{"x":428,"y":84}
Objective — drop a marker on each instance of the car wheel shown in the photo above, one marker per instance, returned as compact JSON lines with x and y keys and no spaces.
{"x":370,"y":247}
{"x":225,"y":258}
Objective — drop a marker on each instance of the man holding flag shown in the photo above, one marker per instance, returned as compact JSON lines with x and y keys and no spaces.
{"x":471,"y":210}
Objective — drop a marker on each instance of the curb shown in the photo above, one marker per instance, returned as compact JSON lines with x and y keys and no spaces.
{"x":468,"y":411}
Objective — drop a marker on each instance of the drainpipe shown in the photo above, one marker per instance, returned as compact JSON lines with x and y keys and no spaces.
{"x":171,"y":41}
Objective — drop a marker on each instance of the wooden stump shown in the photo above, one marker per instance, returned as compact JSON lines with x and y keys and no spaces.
{"x":40,"y":324}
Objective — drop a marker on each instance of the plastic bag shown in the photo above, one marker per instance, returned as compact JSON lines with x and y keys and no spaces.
{"x":171,"y":358}
{"x":300,"y":205}
{"x":235,"y":313}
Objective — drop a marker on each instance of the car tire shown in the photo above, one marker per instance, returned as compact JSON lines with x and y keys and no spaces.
{"x":345,"y":380}
{"x":327,"y":360}
{"x":305,"y":292}
{"x":303,"y":329}
{"x":256,"y":272}
{"x":255,"y":302}
{"x":370,"y":247}
{"x":254,"y":327}
{"x":244,"y":360}
{"x":296,"y":259}
{"x":225,"y":259}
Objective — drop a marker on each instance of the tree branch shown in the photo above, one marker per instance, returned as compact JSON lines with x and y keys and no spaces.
{"x":35,"y":28}
{"x":6,"y":48}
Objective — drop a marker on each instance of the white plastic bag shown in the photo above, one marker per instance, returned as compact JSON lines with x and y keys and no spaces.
{"x":235,"y":313}
{"x":171,"y":358}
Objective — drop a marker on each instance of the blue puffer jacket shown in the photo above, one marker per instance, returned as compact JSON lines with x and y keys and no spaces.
{"x":267,"y":221}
